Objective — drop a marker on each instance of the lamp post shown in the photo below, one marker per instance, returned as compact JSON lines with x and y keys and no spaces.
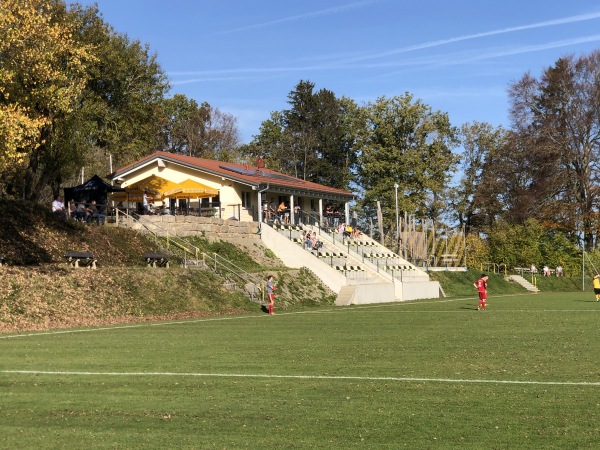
{"x":397,"y":220}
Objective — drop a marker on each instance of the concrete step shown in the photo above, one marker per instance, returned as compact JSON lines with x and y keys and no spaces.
{"x":345,"y":296}
{"x":195,"y":264}
{"x":523,"y":282}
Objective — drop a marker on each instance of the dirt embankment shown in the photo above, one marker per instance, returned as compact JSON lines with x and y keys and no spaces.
{"x":38,"y":291}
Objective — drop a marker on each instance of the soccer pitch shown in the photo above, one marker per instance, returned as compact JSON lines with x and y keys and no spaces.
{"x":428,"y":374}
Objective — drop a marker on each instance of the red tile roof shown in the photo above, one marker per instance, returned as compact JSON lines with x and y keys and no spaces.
{"x":239,"y":172}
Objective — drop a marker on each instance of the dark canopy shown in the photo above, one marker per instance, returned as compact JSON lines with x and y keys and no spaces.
{"x":93,"y":189}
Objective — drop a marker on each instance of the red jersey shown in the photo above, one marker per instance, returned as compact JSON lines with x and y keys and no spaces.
{"x":481,"y":285}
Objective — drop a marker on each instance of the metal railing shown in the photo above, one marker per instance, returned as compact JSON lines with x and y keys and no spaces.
{"x":159,"y":232}
{"x":389,"y":271}
{"x":392,"y":267}
{"x":252,"y":284}
{"x":215,"y":262}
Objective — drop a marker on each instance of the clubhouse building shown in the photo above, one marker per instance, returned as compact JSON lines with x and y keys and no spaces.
{"x":229,"y":190}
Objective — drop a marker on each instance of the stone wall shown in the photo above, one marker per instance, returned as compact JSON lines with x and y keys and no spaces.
{"x":210,"y":227}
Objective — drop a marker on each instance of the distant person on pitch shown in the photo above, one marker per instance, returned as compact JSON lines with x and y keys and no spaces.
{"x":271,"y":293}
{"x":597,"y":287}
{"x":481,"y":286}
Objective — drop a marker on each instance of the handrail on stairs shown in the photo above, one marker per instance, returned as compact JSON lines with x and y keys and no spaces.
{"x":218,"y":260}
{"x":346,"y":245}
{"x":383,"y":272}
{"x":232,"y":268}
{"x":178,"y":242}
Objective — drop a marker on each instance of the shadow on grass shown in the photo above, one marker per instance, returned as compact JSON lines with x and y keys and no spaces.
{"x":470,"y":307}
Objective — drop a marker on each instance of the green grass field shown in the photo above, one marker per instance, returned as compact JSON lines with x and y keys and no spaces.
{"x":418,"y":375}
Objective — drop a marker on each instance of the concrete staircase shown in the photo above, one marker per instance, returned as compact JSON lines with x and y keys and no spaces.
{"x":523,"y":282}
{"x":370,"y":284}
{"x":346,"y":296}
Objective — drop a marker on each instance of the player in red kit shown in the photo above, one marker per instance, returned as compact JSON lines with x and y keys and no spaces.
{"x":271,"y":293}
{"x":481,"y":286}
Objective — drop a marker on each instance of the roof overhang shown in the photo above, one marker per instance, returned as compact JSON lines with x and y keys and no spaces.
{"x":273,"y":187}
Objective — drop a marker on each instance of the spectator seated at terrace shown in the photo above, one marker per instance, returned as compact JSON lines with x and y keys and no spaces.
{"x":58,"y":207}
{"x":82,"y":213}
{"x":308,"y":240}
{"x":348,"y":230}
{"x":95,"y":214}
{"x":316,"y":244}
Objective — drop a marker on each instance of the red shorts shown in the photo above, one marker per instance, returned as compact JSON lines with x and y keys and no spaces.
{"x":271,"y":298}
{"x":483,"y":295}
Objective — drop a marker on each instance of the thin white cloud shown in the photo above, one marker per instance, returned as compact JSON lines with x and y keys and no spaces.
{"x":431,"y":44}
{"x":322,"y":12}
{"x":483,"y":55}
{"x":359,"y":62}
{"x":541,"y":47}
{"x":431,"y":61}
{"x":457,"y":59}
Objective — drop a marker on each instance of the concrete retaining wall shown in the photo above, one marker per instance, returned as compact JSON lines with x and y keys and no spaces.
{"x":420,"y":289}
{"x":211,"y":227}
{"x":367,"y":294}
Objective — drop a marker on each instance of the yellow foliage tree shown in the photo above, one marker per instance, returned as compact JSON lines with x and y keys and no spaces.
{"x":477,"y":252}
{"x":42,"y":74}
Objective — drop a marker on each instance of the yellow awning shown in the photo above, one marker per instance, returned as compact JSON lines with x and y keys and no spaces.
{"x":190,"y":189}
{"x":158,"y":188}
{"x":152,"y":184}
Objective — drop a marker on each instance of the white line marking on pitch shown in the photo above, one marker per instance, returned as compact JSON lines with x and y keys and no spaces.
{"x":303,"y":377}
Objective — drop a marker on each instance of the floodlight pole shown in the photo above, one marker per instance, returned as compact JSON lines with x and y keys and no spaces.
{"x":396,"y":186}
{"x":583,"y":268}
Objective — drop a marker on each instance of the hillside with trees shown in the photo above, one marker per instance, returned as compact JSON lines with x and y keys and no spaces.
{"x":75,"y":93}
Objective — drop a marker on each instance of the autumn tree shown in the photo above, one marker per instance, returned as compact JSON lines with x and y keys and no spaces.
{"x":90,"y":92}
{"x":301,"y":134}
{"x":199,"y":130}
{"x":521,"y":245}
{"x":270,"y":145}
{"x":476,"y":201}
{"x":556,"y":123}
{"x":337,"y":123}
{"x":119,"y":111}
{"x":42,"y":76}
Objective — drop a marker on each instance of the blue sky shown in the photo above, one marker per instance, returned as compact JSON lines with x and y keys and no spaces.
{"x":458,"y":56}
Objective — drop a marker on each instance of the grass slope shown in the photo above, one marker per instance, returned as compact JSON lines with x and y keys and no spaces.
{"x":31,"y":235}
{"x":461,"y":283}
{"x":40,"y":292}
